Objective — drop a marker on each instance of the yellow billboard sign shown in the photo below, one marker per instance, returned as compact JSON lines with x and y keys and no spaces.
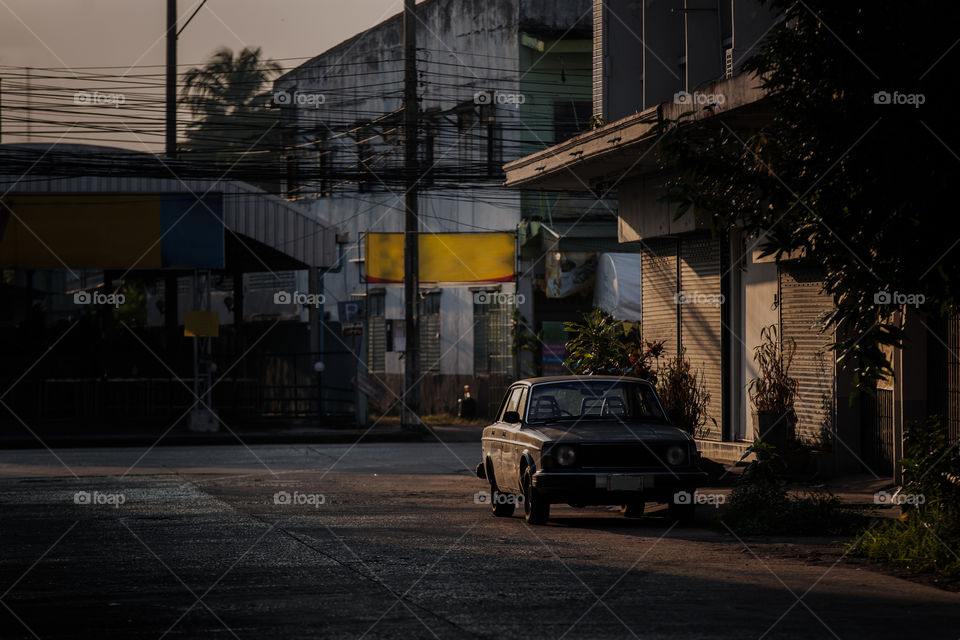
{"x":47,"y":231}
{"x":444,"y":257}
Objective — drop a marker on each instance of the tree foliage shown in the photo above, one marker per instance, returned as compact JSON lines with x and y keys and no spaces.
{"x":234,"y":126}
{"x":852,"y":166}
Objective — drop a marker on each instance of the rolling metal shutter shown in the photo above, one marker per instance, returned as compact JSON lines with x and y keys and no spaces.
{"x":376,"y":345}
{"x":701,"y":328}
{"x":953,"y":377}
{"x":429,"y":321}
{"x":377,"y":333}
{"x":599,"y":44}
{"x":659,"y":305}
{"x":430,"y":343}
{"x":803,"y":311}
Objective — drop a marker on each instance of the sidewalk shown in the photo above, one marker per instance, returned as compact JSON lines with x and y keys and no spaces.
{"x":857,"y":489}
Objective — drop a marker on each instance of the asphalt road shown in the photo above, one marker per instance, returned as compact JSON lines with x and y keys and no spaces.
{"x":387,"y":541}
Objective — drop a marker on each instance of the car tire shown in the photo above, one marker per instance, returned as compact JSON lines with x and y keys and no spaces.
{"x":501,"y":507}
{"x":536,"y":510}
{"x":633,"y":510}
{"x":683,"y":513}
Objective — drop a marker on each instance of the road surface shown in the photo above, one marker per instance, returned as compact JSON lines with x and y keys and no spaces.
{"x":388,"y":541}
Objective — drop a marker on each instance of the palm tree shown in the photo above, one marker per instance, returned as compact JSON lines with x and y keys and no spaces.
{"x":234,"y":128}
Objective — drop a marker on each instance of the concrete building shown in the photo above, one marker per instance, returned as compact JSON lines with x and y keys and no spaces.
{"x":706,"y":294}
{"x":498,"y":79}
{"x":711,"y":295}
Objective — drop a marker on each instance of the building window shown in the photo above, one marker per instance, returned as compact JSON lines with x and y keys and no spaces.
{"x":377,"y":325}
{"x":429,"y":319}
{"x":570,"y":117}
{"x":491,"y":337}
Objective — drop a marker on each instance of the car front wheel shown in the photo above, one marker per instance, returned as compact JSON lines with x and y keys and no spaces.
{"x":536,"y":510}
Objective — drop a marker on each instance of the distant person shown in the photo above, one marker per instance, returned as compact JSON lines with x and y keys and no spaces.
{"x":466,"y":406}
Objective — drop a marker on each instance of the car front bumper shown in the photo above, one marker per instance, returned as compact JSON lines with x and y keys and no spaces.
{"x":615,"y":486}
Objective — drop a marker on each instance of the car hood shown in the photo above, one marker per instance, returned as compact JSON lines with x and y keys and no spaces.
{"x":607,"y":430}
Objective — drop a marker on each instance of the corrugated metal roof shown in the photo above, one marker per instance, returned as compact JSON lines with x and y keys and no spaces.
{"x":247,"y":210}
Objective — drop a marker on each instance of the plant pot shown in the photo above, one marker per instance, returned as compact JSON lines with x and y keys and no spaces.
{"x":775,"y":428}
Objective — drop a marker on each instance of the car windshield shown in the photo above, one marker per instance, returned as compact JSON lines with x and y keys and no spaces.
{"x":593,"y":400}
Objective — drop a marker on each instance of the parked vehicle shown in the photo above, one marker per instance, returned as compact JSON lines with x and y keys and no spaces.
{"x":587,"y":440}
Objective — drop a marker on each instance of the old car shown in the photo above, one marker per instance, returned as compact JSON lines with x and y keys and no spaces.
{"x":587,"y":440}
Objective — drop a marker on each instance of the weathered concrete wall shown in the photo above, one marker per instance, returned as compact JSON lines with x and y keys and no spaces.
{"x":464,"y":47}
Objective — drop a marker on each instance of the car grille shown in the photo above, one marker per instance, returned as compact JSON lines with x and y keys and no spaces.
{"x":620,"y":455}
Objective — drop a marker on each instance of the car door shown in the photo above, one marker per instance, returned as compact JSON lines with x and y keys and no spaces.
{"x":512,"y":449}
{"x":499,"y":431}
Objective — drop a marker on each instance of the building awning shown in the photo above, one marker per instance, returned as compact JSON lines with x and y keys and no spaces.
{"x":260,"y":231}
{"x":537,"y":237}
{"x":606,"y":155}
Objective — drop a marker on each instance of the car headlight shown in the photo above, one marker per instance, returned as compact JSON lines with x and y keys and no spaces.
{"x":565,"y":456}
{"x":676,"y":455}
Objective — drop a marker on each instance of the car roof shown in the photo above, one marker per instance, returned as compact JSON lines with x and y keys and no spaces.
{"x":548,"y":379}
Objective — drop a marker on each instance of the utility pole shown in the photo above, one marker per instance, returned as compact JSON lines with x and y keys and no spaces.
{"x":171,"y":290}
{"x":171,"y":147}
{"x":29,"y":109}
{"x":411,"y":224}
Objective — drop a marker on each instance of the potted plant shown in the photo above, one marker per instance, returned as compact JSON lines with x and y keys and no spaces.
{"x":773,"y":391}
{"x":684,"y":395}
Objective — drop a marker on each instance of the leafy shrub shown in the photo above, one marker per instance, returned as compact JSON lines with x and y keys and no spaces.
{"x":761,"y":505}
{"x":928,"y":534}
{"x":602,"y":345}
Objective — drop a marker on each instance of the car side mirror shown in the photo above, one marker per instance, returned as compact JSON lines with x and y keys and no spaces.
{"x":511,"y":417}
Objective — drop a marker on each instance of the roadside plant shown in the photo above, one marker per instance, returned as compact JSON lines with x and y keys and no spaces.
{"x":684,"y":394}
{"x":602,"y":345}
{"x":773,"y":390}
{"x":760,"y":503}
{"x":928,"y":532}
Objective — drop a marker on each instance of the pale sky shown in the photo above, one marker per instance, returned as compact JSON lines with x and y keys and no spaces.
{"x":129,"y":34}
